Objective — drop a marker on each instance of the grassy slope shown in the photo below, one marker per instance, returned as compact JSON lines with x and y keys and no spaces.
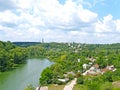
{"x":53,"y":87}
{"x":80,"y":87}
{"x":104,"y":86}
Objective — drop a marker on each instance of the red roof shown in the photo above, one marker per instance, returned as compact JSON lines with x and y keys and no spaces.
{"x":96,"y":65}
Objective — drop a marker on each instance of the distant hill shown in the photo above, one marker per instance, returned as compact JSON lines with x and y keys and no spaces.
{"x":26,"y":44}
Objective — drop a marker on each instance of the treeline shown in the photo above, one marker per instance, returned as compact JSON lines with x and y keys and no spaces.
{"x":36,"y":52}
{"x":11,"y":55}
{"x":25,"y":44}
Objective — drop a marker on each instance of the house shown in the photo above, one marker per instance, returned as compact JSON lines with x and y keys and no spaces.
{"x":85,"y":66}
{"x":66,"y":76}
{"x":111,"y":67}
{"x":103,"y":70}
{"x":108,"y":68}
{"x":96,"y":66}
{"x":90,"y":63}
{"x":94,"y":70}
{"x":78,"y":60}
{"x":92,"y":59}
{"x":85,"y":73}
{"x":63,"y":80}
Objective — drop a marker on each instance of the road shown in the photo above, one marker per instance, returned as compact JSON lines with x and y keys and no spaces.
{"x":71,"y":85}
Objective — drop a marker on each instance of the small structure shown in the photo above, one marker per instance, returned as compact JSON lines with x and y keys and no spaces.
{"x":96,"y":66}
{"x":85,"y":66}
{"x":63,"y":80}
{"x":66,"y":77}
{"x":94,"y":70}
{"x":111,"y":67}
{"x":69,"y":44}
{"x":92,"y":59}
{"x":108,"y":68}
{"x":90,"y":63}
{"x":103,"y":70}
{"x":78,"y":60}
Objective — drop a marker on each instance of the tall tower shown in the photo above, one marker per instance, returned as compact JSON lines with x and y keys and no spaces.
{"x":42,"y":40}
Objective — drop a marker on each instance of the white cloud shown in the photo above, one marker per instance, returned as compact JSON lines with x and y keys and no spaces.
{"x":106,"y":25}
{"x":32,"y":20}
{"x":23,"y":4}
{"x":8,"y":16}
{"x":117,"y":25}
{"x":70,"y":14}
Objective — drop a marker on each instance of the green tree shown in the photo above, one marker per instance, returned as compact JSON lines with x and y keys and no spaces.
{"x":107,"y":77}
{"x":80,"y":80}
{"x":29,"y":87}
{"x":46,"y":76}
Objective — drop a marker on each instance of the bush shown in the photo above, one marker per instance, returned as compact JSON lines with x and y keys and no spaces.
{"x":70,"y":76}
{"x":94,"y":86}
{"x":108,"y":76}
{"x":80,"y":80}
{"x":46,"y":77}
{"x":29,"y":87}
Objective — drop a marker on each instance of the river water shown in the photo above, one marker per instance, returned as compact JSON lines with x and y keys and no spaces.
{"x":24,"y":75}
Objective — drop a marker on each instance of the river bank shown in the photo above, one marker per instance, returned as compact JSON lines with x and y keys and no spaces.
{"x":21,"y":77}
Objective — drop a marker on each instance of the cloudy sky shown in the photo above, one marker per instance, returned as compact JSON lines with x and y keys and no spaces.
{"x":84,"y":21}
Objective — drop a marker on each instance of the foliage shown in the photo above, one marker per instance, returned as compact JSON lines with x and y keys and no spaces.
{"x":56,"y":87}
{"x":80,"y":80}
{"x":80,"y":87}
{"x":65,"y":57}
{"x":11,"y":56}
{"x":93,"y":86}
{"x":106,"y":86}
{"x":46,"y":77}
{"x":35,"y":51}
{"x":108,"y":76}
{"x":29,"y":87}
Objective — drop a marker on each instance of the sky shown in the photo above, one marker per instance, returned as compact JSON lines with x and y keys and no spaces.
{"x":82,"y":21}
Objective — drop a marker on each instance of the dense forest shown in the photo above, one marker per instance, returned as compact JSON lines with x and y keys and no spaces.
{"x":25,"y":44}
{"x":94,"y":65}
{"x":11,"y":56}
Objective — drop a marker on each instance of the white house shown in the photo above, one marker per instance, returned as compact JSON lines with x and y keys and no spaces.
{"x":63,"y":80}
{"x":78,"y":60}
{"x":85,"y":66}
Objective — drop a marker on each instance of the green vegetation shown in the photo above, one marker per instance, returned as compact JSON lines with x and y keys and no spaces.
{"x":36,"y":52}
{"x":29,"y":87}
{"x":80,"y":87}
{"x":68,"y":62}
{"x":26,"y":44}
{"x":11,"y":56}
{"x":55,"y":87}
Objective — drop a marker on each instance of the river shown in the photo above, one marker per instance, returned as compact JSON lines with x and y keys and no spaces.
{"x":24,"y":75}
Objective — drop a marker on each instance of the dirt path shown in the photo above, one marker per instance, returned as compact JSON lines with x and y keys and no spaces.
{"x":42,"y":88}
{"x":71,"y":85}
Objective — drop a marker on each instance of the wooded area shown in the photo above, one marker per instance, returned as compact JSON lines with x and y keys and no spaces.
{"x":68,"y":59}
